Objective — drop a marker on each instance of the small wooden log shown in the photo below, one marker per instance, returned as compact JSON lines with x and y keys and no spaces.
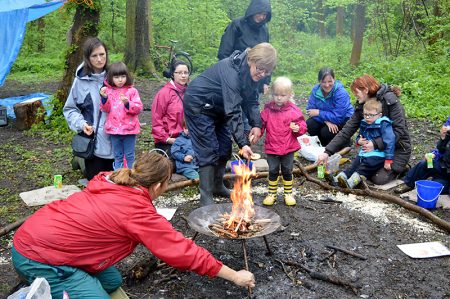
{"x":347,"y":252}
{"x":28,"y":113}
{"x":321,"y":276}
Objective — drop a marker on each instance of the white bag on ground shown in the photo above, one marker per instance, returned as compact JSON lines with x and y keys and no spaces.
{"x":39,"y":289}
{"x":310,"y":147}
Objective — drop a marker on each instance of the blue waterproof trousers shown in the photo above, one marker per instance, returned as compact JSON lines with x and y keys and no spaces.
{"x":77,"y":283}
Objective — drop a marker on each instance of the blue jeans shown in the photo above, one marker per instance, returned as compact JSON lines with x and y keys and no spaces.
{"x":76,"y":282}
{"x":123,"y":145}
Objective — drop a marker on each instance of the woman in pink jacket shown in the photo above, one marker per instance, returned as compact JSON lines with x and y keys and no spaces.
{"x":122,"y":103}
{"x":74,"y":243}
{"x":283,"y":123}
{"x":167,"y":108}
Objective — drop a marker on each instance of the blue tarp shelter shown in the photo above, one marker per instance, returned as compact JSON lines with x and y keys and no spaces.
{"x":14,"y":15}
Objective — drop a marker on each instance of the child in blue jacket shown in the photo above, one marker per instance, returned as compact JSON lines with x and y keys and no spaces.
{"x":183,"y":153}
{"x":373,"y":125}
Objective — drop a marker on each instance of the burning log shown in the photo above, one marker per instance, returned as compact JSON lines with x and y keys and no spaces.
{"x":232,"y":228}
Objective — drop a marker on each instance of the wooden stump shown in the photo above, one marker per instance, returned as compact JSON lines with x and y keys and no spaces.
{"x":28,"y":113}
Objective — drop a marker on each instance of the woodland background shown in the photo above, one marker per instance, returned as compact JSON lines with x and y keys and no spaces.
{"x":402,"y":42}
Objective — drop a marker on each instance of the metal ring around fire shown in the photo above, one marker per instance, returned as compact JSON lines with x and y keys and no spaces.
{"x":200,"y":219}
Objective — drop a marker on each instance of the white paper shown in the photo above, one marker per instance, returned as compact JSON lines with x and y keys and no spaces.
{"x":166,"y":212}
{"x":424,"y":250}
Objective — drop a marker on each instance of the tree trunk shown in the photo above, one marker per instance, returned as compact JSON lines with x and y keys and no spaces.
{"x":85,"y":24}
{"x":41,"y":34}
{"x":137,"y":51}
{"x":321,"y":17}
{"x":359,"y":33}
{"x":339,"y":21}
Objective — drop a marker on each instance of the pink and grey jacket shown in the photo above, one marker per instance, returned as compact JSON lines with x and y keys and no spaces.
{"x":167,"y":112}
{"x":122,"y":119}
{"x":280,"y":139}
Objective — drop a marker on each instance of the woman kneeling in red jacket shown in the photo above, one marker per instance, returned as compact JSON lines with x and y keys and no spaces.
{"x":74,"y":243}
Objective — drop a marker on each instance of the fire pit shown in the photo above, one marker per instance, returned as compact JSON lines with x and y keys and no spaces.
{"x":202,"y":218}
{"x":239,"y":220}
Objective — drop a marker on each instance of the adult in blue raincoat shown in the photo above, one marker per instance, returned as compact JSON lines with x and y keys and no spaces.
{"x":213,"y":106}
{"x":328,"y":107}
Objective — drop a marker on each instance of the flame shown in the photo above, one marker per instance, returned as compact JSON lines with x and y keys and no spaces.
{"x":241,"y":195}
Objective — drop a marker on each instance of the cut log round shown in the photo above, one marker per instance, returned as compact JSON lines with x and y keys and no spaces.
{"x":28,"y":113}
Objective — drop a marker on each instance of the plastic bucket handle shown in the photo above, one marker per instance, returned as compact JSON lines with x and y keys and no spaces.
{"x":421,"y":186}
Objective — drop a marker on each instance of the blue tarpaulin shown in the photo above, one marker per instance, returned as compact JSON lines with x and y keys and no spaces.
{"x":10,"y":102}
{"x":14,"y":14}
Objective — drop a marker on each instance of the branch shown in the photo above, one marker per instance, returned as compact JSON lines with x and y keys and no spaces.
{"x":380,"y":195}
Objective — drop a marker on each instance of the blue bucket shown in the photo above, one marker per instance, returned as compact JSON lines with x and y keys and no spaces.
{"x":428,"y":193}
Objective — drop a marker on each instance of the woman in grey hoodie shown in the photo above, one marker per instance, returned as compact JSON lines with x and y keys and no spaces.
{"x":83,"y":104}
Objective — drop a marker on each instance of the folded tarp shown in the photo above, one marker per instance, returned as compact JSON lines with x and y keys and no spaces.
{"x":10,"y":102}
{"x":14,"y":14}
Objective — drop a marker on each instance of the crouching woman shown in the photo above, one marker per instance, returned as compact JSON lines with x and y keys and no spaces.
{"x":74,"y":243}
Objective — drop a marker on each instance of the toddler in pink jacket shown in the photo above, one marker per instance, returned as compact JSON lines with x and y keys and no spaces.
{"x":283,"y":122}
{"x":122,"y":103}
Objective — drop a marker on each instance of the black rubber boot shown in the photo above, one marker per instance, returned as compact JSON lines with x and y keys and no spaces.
{"x":219,"y":188}
{"x":206,"y":174}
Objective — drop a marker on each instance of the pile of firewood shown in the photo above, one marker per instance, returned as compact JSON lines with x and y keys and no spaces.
{"x":239,"y":227}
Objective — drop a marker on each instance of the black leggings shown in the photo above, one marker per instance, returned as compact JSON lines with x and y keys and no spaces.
{"x":286,"y":162}
{"x":321,"y":130}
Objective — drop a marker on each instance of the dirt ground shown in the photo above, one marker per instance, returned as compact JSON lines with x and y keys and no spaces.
{"x":366,"y":226}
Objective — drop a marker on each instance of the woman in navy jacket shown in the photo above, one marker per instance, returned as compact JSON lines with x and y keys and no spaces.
{"x":213,"y":106}
{"x":328,"y":107}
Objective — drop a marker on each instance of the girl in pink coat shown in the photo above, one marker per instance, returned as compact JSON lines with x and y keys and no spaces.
{"x":122,"y":103}
{"x":283,"y":123}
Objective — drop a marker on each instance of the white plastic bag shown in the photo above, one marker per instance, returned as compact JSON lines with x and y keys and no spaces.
{"x":39,"y":289}
{"x":310,"y":147}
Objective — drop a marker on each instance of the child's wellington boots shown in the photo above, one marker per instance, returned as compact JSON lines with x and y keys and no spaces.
{"x":272,"y":196}
{"x":351,"y":182}
{"x":289,"y":200}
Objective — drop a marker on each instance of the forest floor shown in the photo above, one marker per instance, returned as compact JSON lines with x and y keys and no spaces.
{"x":363,"y":225}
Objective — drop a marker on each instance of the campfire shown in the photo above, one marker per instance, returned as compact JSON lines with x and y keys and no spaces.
{"x":241,"y":221}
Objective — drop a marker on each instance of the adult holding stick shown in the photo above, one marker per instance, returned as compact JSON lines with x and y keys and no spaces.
{"x":74,"y":243}
{"x":213,"y":106}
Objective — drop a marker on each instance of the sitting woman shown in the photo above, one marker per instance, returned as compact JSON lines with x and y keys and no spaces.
{"x":74,"y":243}
{"x":328,"y":107}
{"x":366,"y":88}
{"x":167,"y":108}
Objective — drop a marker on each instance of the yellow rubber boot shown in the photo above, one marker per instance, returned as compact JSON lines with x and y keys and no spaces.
{"x":272,"y":196}
{"x":289,"y":200}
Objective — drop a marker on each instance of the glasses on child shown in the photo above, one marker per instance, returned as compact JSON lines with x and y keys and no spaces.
{"x":370,"y":115}
{"x":182,"y":73}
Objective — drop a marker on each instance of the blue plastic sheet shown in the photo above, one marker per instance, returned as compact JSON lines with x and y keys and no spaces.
{"x":10,"y":102}
{"x":14,"y":14}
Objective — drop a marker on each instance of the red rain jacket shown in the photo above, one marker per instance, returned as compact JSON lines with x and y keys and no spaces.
{"x":280,"y":139}
{"x":97,"y":227}
{"x":167,"y":112}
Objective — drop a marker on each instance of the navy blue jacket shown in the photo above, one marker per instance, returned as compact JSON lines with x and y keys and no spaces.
{"x":335,"y":107}
{"x":180,"y":149}
{"x":223,"y":91}
{"x":381,"y":128}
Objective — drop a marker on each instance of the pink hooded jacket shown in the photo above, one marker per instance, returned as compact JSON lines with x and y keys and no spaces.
{"x":280,"y":139}
{"x":122,"y":120}
{"x":167,"y":112}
